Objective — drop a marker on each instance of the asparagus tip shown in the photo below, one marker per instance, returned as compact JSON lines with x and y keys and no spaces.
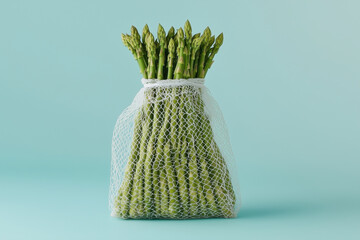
{"x":220,"y":39}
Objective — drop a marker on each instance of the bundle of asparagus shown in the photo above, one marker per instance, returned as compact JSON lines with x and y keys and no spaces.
{"x":174,"y":168}
{"x":158,"y":59}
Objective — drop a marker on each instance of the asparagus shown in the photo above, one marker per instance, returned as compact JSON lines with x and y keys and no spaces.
{"x":170,"y":34}
{"x":151,"y":49}
{"x":152,"y":173}
{"x":177,"y":170}
{"x":151,"y":185}
{"x":158,"y":119}
{"x":196,"y":64}
{"x":126,"y":39}
{"x":161,"y":64}
{"x":148,"y":181}
{"x":123,"y":200}
{"x":206,"y":181}
{"x":142,"y":193}
{"x":175,"y":132}
{"x":182,"y":172}
{"x":145,"y":32}
{"x":204,"y":48}
{"x":195,"y":47}
{"x":188,"y":40}
{"x":164,"y":188}
{"x":171,"y":57}
{"x":210,"y":43}
{"x":217,"y":167}
{"x":179,"y":70}
{"x":215,"y":49}
{"x":186,"y":59}
{"x":197,"y":35}
{"x":137,"y":196}
{"x":164,"y":193}
{"x":135,"y":40}
{"x":188,"y":32}
{"x":156,"y":181}
{"x":197,"y":198}
{"x":207,"y":186}
{"x":138,"y":53}
{"x":173,"y":209}
{"x":152,"y":54}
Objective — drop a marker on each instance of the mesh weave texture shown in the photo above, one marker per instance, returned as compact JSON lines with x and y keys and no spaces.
{"x":171,"y":155}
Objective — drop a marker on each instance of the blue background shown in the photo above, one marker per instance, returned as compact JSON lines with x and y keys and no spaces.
{"x":287,"y":79}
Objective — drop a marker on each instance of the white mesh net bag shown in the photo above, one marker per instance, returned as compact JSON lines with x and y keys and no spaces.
{"x":171,"y":155}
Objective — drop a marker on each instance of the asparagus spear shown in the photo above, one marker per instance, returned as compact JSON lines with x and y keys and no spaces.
{"x":172,"y":183}
{"x":215,"y":49}
{"x":117,"y":204}
{"x":204,"y":48}
{"x":207,"y":186}
{"x":211,"y":42}
{"x":158,"y":120}
{"x":195,"y":47}
{"x":152,"y":174}
{"x":186,"y":58}
{"x":176,"y":37}
{"x":157,"y":181}
{"x":164,"y":188}
{"x":188,"y":32}
{"x":138,"y":54}
{"x":164,"y":193}
{"x":135,"y":37}
{"x":126,"y":39}
{"x":158,"y":138}
{"x":197,"y":35}
{"x":188,"y":40}
{"x":170,"y":34}
{"x":148,"y":181}
{"x":122,"y":203}
{"x":182,"y":172}
{"x":209,"y":49}
{"x":196,"y":64}
{"x":145,"y":32}
{"x":197,"y":199}
{"x":162,"y":58}
{"x":175,"y":134}
{"x":171,"y":57}
{"x":138,"y":193}
{"x":151,"y":52}
{"x":179,"y":70}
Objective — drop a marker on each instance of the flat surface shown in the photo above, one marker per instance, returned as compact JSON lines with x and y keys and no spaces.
{"x":286,"y":78}
{"x":75,"y":207}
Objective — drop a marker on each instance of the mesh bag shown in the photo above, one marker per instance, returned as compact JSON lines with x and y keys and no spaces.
{"x":171,"y":155}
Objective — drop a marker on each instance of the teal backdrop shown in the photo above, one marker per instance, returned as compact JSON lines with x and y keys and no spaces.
{"x":287,"y":79}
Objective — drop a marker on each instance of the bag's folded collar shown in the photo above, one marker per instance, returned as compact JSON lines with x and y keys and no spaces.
{"x":152,"y":83}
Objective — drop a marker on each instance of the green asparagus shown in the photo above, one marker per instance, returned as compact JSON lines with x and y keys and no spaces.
{"x":175,"y":168}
